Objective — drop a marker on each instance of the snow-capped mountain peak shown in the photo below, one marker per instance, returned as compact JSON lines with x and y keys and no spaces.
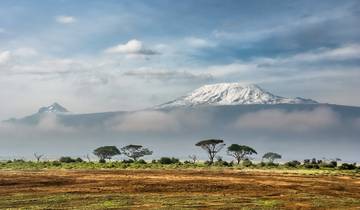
{"x":54,"y":108}
{"x":232,"y":94}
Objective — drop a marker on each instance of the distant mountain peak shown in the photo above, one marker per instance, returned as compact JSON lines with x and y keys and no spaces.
{"x":54,"y":108}
{"x":232,"y":94}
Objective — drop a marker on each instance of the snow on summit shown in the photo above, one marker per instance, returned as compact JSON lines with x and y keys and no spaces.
{"x":232,"y":94}
{"x":54,"y":108}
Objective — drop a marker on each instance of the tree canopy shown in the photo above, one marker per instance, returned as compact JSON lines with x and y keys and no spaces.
{"x":106,"y":152}
{"x":240,"y":152}
{"x":271,"y":156}
{"x":212,"y":147}
{"x":135,"y":151}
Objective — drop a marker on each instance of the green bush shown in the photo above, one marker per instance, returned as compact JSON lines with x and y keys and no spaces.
{"x":141,"y":161}
{"x":56,"y":163}
{"x":292,"y":164}
{"x":168,"y":160}
{"x":332,"y":164}
{"x":247,"y":163}
{"x":67,"y":159}
{"x":348,"y":166}
{"x":312,"y":166}
{"x":128,"y":161}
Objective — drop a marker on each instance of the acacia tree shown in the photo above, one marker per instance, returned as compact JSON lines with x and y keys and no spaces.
{"x":212,"y":147}
{"x":135,"y":151}
{"x":271,"y":156}
{"x":38,"y":157}
{"x":240,"y":152}
{"x":106,"y":152}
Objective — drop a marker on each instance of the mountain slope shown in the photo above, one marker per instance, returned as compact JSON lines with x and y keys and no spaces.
{"x":232,"y":94}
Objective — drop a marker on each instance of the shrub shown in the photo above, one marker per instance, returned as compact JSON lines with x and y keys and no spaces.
{"x":167,"y":160}
{"x":314,"y":166}
{"x":67,"y":159}
{"x":102,"y":161}
{"x":56,"y":163}
{"x":19,"y":161}
{"x":141,"y":161}
{"x":332,"y":164}
{"x":247,"y":163}
{"x":292,"y":164}
{"x":271,"y":164}
{"x":128,"y":161}
{"x":222,"y":163}
{"x":79,"y":160}
{"x":262,"y":164}
{"x":348,"y":166}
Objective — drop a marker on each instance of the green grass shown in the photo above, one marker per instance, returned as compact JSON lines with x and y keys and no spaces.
{"x":31,"y":165}
{"x":116,"y":201}
{"x":161,"y":201}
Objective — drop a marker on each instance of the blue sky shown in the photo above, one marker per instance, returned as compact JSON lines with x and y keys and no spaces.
{"x":121,"y":55}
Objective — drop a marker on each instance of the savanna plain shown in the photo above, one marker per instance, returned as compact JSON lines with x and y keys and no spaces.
{"x":179,"y":188}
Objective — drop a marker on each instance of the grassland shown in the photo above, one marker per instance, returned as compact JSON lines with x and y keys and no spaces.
{"x":179,"y":188}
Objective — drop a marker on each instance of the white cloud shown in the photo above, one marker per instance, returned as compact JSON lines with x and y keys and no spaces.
{"x":199,"y":42}
{"x":65,"y":19}
{"x":345,"y":52}
{"x":4,"y":57}
{"x":25,"y":52}
{"x":298,"y":121}
{"x":162,"y":74}
{"x":49,"y":123}
{"x":146,"y":121}
{"x":133,"y":46}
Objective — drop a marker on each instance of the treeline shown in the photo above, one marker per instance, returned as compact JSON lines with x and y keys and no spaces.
{"x":242,"y":156}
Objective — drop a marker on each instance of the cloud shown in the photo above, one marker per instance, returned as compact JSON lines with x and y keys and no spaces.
{"x":132,"y":47}
{"x":4,"y":57}
{"x":49,"y":123}
{"x":65,"y":19}
{"x":199,"y":42}
{"x":146,"y":121}
{"x":159,"y":74}
{"x":25,"y":52}
{"x":296,"y":121}
{"x":50,"y":66}
{"x":341,"y":53}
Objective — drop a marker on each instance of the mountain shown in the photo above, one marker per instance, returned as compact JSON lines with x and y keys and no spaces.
{"x":54,"y":108}
{"x":294,"y":127}
{"x":232,"y":94}
{"x":33,"y":119}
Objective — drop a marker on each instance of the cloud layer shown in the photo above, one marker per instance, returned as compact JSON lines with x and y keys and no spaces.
{"x":282,"y":121}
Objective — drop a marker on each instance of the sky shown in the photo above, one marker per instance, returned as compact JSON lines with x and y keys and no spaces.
{"x":95,"y":56}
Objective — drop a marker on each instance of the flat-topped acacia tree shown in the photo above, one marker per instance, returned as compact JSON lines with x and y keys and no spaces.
{"x":106,"y":152}
{"x":240,"y":152}
{"x":135,"y":151}
{"x":212,"y":147}
{"x":271,"y":156}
